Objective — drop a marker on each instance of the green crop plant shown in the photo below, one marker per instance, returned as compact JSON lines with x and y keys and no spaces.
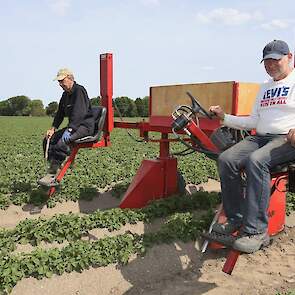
{"x":181,"y":224}
{"x":22,"y":164}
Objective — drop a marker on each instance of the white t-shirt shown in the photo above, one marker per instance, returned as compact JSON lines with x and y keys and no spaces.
{"x":273,"y":111}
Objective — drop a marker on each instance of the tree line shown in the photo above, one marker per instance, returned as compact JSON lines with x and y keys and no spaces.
{"x":23,"y":106}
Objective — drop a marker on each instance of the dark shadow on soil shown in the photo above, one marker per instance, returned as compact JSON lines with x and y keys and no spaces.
{"x":169,"y":269}
{"x":102,"y":201}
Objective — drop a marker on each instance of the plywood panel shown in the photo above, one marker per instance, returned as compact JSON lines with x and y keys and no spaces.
{"x":247,"y":93}
{"x":166,"y":98}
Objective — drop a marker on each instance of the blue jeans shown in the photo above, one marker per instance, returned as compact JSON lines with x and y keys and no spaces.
{"x":255,"y":155}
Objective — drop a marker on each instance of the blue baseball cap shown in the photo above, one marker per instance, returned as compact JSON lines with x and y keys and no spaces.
{"x":275,"y":49}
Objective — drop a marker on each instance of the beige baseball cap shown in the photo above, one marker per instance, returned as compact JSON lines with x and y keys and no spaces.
{"x":62,"y":73}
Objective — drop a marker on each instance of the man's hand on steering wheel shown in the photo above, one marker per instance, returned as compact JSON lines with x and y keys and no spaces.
{"x":218,"y":111}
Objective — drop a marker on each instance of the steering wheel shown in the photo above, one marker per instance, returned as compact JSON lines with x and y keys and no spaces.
{"x":197,"y":108}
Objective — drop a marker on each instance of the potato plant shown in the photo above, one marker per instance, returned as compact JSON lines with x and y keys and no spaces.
{"x":22,"y":163}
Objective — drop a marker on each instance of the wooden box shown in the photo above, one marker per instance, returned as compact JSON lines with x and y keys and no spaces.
{"x":236,"y":98}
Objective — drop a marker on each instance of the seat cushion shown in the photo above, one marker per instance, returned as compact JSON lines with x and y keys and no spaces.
{"x":281,"y":167}
{"x":99,"y":114}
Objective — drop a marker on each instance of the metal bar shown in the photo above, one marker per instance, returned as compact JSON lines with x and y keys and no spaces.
{"x":144,"y":127}
{"x":230,"y":262}
{"x":127,"y":125}
{"x":192,"y":128}
{"x":67,"y":164}
{"x":164,"y":146}
{"x":47,"y":148}
{"x":106,"y":89}
{"x":235,"y":98}
{"x":215,"y":219}
{"x":101,"y":143}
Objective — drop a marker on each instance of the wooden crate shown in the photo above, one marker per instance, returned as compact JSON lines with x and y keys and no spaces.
{"x":236,"y":98}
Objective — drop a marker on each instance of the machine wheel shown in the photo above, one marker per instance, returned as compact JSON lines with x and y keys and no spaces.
{"x":181,"y":183}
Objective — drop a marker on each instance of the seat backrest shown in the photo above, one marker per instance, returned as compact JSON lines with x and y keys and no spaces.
{"x":99,"y":114}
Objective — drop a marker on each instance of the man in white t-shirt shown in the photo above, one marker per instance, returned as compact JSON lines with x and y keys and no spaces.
{"x":273,"y":117}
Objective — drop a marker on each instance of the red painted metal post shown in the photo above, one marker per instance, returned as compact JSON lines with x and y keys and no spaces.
{"x":169,"y":167}
{"x":155,"y":179}
{"x":106,"y":90}
{"x":231,"y":260}
{"x":164,"y":146}
{"x":235,"y":98}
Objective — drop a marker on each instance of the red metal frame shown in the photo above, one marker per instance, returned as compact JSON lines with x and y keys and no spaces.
{"x":158,"y":178}
{"x":70,"y":160}
{"x":106,"y":89}
{"x":155,"y":178}
{"x":205,"y":140}
{"x":235,"y":98}
{"x":276,"y":214}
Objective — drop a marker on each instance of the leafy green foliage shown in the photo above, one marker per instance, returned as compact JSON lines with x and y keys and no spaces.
{"x":4,"y":201}
{"x":51,"y":109}
{"x":14,"y":106}
{"x":290,"y":203}
{"x":22,"y":163}
{"x":126,"y":107}
{"x":36,"y":108}
{"x":71,"y":226}
{"x":287,"y":293}
{"x":181,"y":224}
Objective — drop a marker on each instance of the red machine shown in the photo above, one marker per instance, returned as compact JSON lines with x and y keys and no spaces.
{"x":158,"y":178}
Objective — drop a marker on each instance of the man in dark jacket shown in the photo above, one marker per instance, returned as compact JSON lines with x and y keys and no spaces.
{"x":75,"y":105}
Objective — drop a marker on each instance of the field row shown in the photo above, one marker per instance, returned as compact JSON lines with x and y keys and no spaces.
{"x":181,"y":224}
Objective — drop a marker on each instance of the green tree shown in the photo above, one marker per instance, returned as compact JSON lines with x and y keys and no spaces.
{"x":145,"y":106}
{"x":51,"y":108}
{"x":5,"y":109}
{"x":139,"y":106}
{"x":37,"y":108}
{"x":121,"y":105}
{"x":18,"y":104}
{"x":132,"y":110}
{"x":95,"y":101}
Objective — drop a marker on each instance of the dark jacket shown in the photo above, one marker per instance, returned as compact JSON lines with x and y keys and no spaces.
{"x":76,"y":106}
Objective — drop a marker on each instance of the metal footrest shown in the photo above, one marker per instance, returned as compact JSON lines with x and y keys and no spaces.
{"x":48,"y":180}
{"x":226,"y":240}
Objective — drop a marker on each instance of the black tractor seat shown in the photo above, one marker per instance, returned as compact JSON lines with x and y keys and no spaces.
{"x":99,"y":114}
{"x":281,"y":168}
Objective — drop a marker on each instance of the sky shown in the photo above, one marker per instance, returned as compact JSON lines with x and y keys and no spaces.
{"x":154,"y":42}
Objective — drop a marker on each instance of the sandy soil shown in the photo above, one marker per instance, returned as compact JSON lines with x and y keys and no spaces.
{"x":176,"y":269}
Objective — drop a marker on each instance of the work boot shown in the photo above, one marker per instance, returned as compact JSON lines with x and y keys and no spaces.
{"x":48,"y":180}
{"x":250,"y":243}
{"x":226,"y":228}
{"x":53,"y":167}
